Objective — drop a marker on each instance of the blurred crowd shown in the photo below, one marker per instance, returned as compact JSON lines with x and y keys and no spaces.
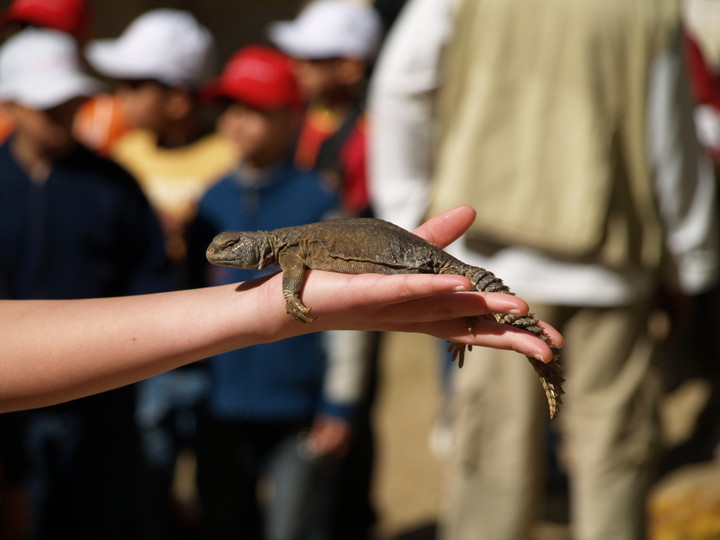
{"x":587,"y":136}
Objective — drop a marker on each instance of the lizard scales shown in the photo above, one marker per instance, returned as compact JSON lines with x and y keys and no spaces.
{"x":365,"y":245}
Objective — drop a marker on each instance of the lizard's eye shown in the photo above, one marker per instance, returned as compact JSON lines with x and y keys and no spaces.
{"x":229,"y":244}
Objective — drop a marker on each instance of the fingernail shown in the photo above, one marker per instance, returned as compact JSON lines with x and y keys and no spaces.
{"x":538,"y":356}
{"x":460,"y":288}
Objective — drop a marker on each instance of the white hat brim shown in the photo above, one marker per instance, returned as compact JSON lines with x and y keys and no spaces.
{"x":112,"y":59}
{"x":48,"y":91}
{"x":292,"y":39}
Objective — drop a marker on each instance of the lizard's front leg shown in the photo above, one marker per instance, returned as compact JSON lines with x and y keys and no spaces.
{"x":293,"y":269}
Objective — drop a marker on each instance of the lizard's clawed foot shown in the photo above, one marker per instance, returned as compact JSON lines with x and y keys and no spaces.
{"x":458,"y":349}
{"x":458,"y":352}
{"x":298,"y":311}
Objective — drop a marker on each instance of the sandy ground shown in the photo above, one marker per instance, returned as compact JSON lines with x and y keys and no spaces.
{"x":409,"y":478}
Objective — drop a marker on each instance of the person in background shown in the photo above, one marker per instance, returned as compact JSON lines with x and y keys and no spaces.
{"x":567,"y":124}
{"x":333,"y":44}
{"x":389,"y":11}
{"x":160,"y":62}
{"x":72,"y":225}
{"x":72,"y":17}
{"x":691,"y":355}
{"x":270,"y":410}
{"x":271,"y":407}
{"x":100,"y":120}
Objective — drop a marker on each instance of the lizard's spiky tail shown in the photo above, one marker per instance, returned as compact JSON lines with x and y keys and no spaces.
{"x":551,"y":373}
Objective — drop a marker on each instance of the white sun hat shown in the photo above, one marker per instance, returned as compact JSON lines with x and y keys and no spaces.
{"x":40,"y":69}
{"x":329,"y":29}
{"x":166,"y":45}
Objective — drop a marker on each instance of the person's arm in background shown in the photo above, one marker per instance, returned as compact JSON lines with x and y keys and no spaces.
{"x":401,"y":111}
{"x":57,"y":350}
{"x":684,"y":180}
{"x":344,"y":386}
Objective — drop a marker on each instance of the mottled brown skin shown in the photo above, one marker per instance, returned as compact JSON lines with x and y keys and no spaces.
{"x":358,"y":246}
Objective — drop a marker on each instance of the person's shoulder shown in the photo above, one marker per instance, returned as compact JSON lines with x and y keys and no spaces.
{"x":8,"y":164}
{"x":85,"y":158}
{"x":223,"y":187}
{"x":216,"y":152}
{"x":215,"y":143}
{"x":133,"y":140}
{"x":102,"y":169}
{"x":311,"y":185}
{"x":5,"y":153}
{"x":304,"y":176}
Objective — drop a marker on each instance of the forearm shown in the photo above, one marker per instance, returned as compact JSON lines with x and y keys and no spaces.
{"x":79,"y":347}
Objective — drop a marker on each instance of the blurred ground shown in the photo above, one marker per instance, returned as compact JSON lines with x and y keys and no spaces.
{"x":409,"y":478}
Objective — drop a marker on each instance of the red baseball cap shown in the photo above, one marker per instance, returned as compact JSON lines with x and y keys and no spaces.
{"x":259,"y":77}
{"x":70,"y":16}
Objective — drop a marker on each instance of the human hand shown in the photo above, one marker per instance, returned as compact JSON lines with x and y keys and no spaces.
{"x":329,"y":437}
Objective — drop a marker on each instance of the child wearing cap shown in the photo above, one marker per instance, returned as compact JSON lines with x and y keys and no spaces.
{"x":271,"y":407}
{"x":160,"y":61}
{"x":332,"y":43}
{"x":99,"y":120}
{"x":72,"y":225}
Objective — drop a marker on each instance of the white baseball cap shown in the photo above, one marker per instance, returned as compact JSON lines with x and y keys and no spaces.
{"x":329,"y":29}
{"x":166,"y":45}
{"x":40,"y":69}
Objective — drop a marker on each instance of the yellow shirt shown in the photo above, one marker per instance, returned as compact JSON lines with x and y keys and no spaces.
{"x":174,"y":179}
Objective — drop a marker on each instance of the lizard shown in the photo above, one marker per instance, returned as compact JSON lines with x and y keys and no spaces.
{"x":369,"y":245}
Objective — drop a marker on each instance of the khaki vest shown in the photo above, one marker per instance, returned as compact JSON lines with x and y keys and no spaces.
{"x":543,"y":125}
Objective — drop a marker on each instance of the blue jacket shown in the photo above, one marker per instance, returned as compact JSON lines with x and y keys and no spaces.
{"x":87,"y":231}
{"x":279,"y":381}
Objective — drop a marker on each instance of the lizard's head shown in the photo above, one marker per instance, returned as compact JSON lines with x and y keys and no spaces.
{"x":249,"y":250}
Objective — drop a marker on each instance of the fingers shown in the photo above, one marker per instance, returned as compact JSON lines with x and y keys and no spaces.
{"x":488,"y":333}
{"x":402,"y":297}
{"x":553,"y":335}
{"x":447,"y":227}
{"x":425,"y":303}
{"x":458,"y":304}
{"x":332,"y":292}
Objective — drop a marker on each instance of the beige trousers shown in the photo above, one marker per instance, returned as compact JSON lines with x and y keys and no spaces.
{"x":608,"y":421}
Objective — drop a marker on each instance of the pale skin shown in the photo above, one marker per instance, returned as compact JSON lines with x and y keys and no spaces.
{"x":58,"y":350}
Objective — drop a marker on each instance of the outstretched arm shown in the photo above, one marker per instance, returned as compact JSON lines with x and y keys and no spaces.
{"x":57,"y":350}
